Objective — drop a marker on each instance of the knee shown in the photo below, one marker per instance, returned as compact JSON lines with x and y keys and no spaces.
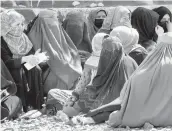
{"x":52,"y":92}
{"x":17,"y":101}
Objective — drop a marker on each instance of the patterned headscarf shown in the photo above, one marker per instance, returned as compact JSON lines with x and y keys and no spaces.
{"x":129,"y":37}
{"x":117,"y":18}
{"x":17,"y":41}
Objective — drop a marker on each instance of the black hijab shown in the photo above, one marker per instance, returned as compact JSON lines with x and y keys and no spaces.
{"x":145,"y":21}
{"x":162,"y":10}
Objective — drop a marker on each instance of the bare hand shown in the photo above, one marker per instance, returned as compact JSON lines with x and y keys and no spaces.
{"x":169,"y":26}
{"x":71,"y":101}
{"x":159,"y":30}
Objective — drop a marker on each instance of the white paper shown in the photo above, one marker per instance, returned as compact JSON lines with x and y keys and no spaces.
{"x":29,"y":66}
{"x":41,"y":57}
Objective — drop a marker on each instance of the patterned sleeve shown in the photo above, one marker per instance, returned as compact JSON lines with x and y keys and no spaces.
{"x":83,"y":82}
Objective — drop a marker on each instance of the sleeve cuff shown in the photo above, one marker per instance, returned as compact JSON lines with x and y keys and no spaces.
{"x":18,"y":63}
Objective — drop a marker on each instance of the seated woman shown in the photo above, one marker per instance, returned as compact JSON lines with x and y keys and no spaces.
{"x":165,"y":18}
{"x":16,"y":50}
{"x":95,"y":21}
{"x":47,"y":34}
{"x":76,"y":27}
{"x":11,"y":105}
{"x":146,"y":97}
{"x":113,"y":70}
{"x":129,"y":38}
{"x":119,"y":16}
{"x":146,"y":23}
{"x":56,"y":96}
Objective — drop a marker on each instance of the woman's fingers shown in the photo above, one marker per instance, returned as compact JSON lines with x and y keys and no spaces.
{"x":169,"y":26}
{"x":38,"y":51}
{"x":159,"y":30}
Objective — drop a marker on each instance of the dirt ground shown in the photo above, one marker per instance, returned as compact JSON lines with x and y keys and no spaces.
{"x":53,"y":123}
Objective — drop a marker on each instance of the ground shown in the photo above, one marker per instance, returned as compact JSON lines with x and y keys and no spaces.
{"x":45,"y":123}
{"x":53,"y":123}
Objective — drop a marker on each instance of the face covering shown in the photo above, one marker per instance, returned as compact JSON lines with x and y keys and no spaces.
{"x":164,"y":26}
{"x":98,"y":23}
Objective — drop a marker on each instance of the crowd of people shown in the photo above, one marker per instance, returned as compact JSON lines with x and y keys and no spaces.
{"x":113,"y":67}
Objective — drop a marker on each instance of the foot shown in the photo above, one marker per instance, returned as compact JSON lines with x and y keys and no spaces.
{"x":82,"y":120}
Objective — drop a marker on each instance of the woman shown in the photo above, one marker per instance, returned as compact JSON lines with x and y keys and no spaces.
{"x":146,"y":23}
{"x":129,"y":38}
{"x":10,"y":104}
{"x":16,"y":50}
{"x":95,"y":21}
{"x":64,"y":64}
{"x":120,"y":16}
{"x":147,"y":95}
{"x":54,"y":96}
{"x":165,"y":18}
{"x":76,"y":27}
{"x":113,"y":70}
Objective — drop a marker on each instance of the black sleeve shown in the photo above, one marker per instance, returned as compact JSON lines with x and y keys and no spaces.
{"x":6,"y":56}
{"x":138,"y":56}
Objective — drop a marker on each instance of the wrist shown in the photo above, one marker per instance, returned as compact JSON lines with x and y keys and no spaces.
{"x":76,"y":95}
{"x":23,"y":60}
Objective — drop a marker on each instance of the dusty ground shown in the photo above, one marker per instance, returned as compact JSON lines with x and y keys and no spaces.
{"x":45,"y":123}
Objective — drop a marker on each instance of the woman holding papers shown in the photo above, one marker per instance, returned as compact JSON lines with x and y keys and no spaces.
{"x":20,"y":58}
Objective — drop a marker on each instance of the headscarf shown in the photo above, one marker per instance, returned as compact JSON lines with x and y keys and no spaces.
{"x":97,"y":43}
{"x":76,"y":27}
{"x":145,"y":21}
{"x":96,"y":47}
{"x":113,"y":70}
{"x":28,"y":14}
{"x":48,"y":13}
{"x":147,"y":95}
{"x":129,"y":38}
{"x":116,"y":18}
{"x":48,"y":35}
{"x":91,"y":22}
{"x":17,"y":41}
{"x":162,"y":10}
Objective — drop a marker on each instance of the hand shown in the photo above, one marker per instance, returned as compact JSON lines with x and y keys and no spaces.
{"x":30,"y":59}
{"x":71,"y":101}
{"x":38,"y":51}
{"x":169,"y":26}
{"x":41,"y":56}
{"x":159,"y":30}
{"x":33,"y":60}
